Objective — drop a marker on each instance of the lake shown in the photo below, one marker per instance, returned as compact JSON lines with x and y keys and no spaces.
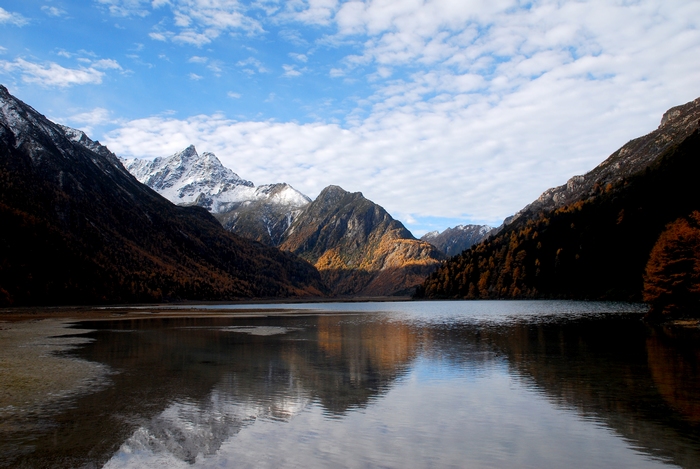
{"x":479,"y":384}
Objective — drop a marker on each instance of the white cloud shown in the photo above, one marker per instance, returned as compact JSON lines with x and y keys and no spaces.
{"x":233,"y":95}
{"x":195,"y":77}
{"x":216,"y":66}
{"x":293,"y":36}
{"x":53,"y":11}
{"x":336,"y":72}
{"x":95,"y":116}
{"x":52,"y":74}
{"x":106,"y":64}
{"x":125,"y":8}
{"x":198,"y":60}
{"x":196,"y":22}
{"x":317,"y":12}
{"x":299,"y":57}
{"x":12,"y":18}
{"x":476,"y":108}
{"x":252,"y":63}
{"x":194,"y":38}
{"x":158,"y":36}
{"x":292,"y":71}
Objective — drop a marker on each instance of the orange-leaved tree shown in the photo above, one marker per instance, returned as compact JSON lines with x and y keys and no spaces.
{"x":672,"y":277}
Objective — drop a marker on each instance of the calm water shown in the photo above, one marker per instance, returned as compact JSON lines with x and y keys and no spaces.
{"x":424,"y":384}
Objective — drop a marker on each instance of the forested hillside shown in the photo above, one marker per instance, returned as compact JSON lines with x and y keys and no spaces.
{"x":78,"y":228}
{"x":596,"y":247}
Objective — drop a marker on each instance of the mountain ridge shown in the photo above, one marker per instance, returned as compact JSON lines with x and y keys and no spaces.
{"x":676,"y":125}
{"x":453,"y":241}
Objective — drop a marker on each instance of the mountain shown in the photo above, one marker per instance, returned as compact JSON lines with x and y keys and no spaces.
{"x":676,"y":125}
{"x":77,"y":227}
{"x":453,"y":241}
{"x":260,"y":213}
{"x":358,"y":247}
{"x":590,"y":238}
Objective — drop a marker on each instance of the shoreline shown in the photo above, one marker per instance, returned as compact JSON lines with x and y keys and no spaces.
{"x":35,"y":376}
{"x":178,"y":309}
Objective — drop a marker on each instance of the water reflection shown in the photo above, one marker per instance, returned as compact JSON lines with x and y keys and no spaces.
{"x":391,"y":389}
{"x":674,"y":361}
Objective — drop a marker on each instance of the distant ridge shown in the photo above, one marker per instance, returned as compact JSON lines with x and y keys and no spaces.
{"x":453,"y":241}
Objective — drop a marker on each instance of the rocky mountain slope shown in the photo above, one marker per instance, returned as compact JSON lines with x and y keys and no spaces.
{"x":78,"y":228}
{"x":676,"y":125}
{"x":358,"y":247}
{"x":261,"y":213}
{"x":453,"y":241}
{"x":592,"y":237}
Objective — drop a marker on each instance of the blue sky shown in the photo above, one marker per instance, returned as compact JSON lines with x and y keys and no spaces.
{"x":443,"y":111}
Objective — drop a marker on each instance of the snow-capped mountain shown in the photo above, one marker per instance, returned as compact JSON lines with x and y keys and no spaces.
{"x":262,"y":213}
{"x":452,"y":241}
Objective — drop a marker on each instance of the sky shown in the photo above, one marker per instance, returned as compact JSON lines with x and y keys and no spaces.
{"x":444,"y":112}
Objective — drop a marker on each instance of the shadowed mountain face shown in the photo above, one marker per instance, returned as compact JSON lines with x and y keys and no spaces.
{"x":358,"y":247}
{"x":591,"y":238}
{"x":78,"y":228}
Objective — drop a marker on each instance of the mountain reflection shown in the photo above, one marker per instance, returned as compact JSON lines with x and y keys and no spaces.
{"x":637,"y":381}
{"x":185,"y":387}
{"x":674,"y":362}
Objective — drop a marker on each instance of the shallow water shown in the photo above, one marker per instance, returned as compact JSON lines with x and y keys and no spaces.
{"x":406,"y":384}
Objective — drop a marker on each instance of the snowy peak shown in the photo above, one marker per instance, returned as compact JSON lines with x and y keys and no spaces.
{"x":188,"y":178}
{"x":261,"y":213}
{"x":283,"y":194}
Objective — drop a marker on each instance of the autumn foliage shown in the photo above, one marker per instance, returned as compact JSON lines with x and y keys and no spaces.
{"x":672,"y":277}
